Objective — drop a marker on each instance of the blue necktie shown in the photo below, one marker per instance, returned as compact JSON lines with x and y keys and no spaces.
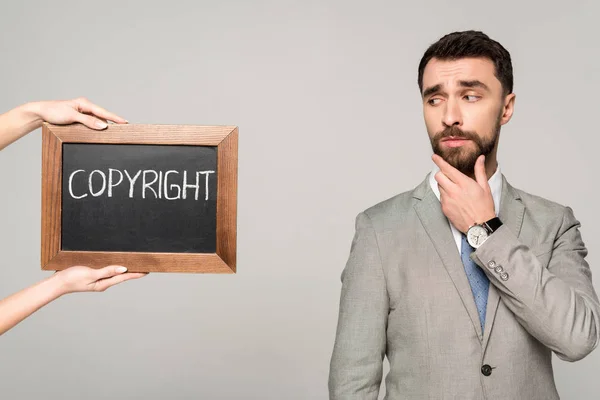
{"x":480,"y":283}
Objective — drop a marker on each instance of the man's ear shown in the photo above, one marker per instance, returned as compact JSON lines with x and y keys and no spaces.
{"x":508,"y":108}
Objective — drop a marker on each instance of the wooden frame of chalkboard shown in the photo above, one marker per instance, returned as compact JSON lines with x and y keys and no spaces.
{"x":223,"y":138}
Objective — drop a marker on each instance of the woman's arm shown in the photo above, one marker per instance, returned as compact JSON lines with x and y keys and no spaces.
{"x":15,"y":124}
{"x":21,"y":305}
{"x":28,"y":117}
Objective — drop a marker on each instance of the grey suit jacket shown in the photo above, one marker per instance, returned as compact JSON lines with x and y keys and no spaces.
{"x":405,"y":295}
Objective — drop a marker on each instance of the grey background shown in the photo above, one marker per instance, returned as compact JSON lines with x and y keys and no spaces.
{"x":330,"y":120}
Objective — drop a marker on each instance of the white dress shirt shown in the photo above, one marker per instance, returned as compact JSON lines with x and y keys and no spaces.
{"x":495,"y":183}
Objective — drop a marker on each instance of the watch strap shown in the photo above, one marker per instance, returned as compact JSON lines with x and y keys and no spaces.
{"x":492,"y":225}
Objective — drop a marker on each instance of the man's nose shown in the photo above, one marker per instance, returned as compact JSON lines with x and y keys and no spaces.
{"x":452,"y":115}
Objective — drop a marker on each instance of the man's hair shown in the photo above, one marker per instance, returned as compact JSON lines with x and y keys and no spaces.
{"x":456,"y":45}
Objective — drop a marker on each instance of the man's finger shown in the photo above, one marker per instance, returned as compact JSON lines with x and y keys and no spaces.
{"x":104,"y":284}
{"x":480,"y":175}
{"x":443,"y":192}
{"x":86,"y":106}
{"x":452,"y":173}
{"x":444,"y":183}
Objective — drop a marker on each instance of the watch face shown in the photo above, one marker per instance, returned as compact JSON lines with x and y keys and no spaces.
{"x":476,"y":236}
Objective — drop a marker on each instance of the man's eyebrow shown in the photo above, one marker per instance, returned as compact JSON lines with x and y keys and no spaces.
{"x":431,"y":90}
{"x":474,"y":84}
{"x":466,"y":84}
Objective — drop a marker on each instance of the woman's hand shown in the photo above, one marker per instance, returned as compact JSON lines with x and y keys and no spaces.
{"x":85,"y":279}
{"x":28,"y":117}
{"x":21,"y":305}
{"x":62,"y":112}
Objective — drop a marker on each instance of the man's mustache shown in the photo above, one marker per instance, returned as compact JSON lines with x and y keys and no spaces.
{"x":456,"y":132}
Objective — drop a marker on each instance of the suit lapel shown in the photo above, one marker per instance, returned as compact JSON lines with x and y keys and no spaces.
{"x":436,"y":224}
{"x":511,"y":214}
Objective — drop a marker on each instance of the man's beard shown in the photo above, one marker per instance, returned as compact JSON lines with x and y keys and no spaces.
{"x":461,"y":158}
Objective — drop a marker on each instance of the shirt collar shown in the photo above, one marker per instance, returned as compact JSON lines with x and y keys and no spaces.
{"x":495,"y":183}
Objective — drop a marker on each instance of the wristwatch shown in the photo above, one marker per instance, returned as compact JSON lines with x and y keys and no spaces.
{"x":479,"y":233}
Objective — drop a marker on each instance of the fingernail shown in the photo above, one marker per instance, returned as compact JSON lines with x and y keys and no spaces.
{"x":101,"y":124}
{"x":121,"y":269}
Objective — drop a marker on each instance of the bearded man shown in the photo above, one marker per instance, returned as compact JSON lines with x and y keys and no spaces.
{"x":466,"y":283}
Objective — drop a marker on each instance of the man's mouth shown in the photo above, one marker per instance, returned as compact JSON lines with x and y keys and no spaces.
{"x":454,"y":141}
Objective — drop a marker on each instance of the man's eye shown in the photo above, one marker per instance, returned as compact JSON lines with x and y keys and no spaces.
{"x":433,"y":102}
{"x":471,"y":97}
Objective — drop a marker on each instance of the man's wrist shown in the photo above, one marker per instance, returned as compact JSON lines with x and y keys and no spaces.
{"x":479,"y":233}
{"x":486,"y":217}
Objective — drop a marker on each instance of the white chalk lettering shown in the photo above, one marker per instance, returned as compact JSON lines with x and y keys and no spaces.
{"x":206,"y":184}
{"x":132,"y":182}
{"x":168,"y":185}
{"x":171,"y":187}
{"x":110,"y":180}
{"x":149,"y":185}
{"x":186,"y":185}
{"x":71,"y":185}
{"x":103,"y":183}
{"x":160,"y":178}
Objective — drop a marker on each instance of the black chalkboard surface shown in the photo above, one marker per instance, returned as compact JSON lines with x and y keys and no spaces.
{"x":146,"y":198}
{"x":154,"y":198}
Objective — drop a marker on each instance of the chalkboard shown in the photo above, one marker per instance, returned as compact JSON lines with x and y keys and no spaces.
{"x":155,"y":198}
{"x":147,"y":198}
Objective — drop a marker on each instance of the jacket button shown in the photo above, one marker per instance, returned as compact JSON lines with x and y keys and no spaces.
{"x":486,"y":370}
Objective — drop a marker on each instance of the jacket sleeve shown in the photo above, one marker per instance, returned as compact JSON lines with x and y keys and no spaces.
{"x":357,"y":361}
{"x":556,"y":304}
